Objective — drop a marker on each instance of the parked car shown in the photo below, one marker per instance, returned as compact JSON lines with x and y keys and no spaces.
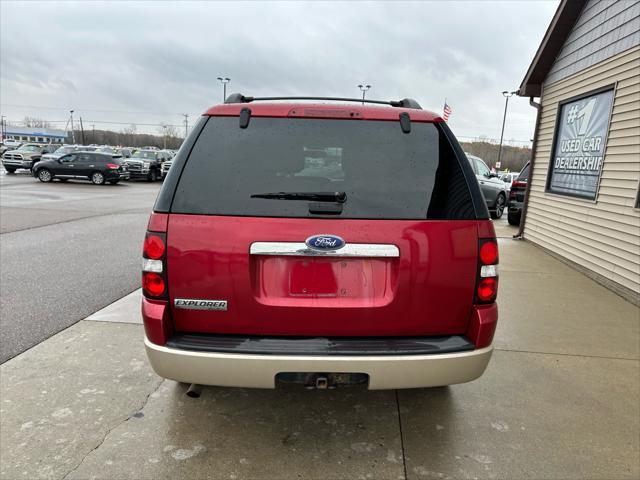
{"x":165,"y":168}
{"x":59,"y":152}
{"x":255,"y":275}
{"x":508,"y":179}
{"x":124,"y":152}
{"x":493,"y":189}
{"x":11,"y":144}
{"x":516,"y":196}
{"x":25,"y":156}
{"x":166,"y":165}
{"x":146,"y":164}
{"x":99,"y":168}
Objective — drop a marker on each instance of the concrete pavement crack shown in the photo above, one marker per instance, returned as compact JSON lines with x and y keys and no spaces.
{"x":103,"y":214}
{"x":566,"y":354}
{"x":404,"y":459}
{"x":106,"y":435}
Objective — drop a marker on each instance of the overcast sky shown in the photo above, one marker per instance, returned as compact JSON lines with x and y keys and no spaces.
{"x":148,"y":62}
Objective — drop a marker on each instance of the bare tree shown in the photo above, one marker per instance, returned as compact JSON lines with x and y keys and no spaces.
{"x":35,"y":122}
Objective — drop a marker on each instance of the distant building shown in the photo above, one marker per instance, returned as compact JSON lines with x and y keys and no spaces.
{"x":583,"y":199}
{"x":34,"y":134}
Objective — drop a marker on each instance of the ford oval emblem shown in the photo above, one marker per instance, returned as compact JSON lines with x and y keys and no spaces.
{"x":325,"y":242}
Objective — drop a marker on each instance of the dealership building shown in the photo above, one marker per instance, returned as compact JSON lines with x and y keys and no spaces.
{"x":34,"y":134}
{"x":583,"y":201}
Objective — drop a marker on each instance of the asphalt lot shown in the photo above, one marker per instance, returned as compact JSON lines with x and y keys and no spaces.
{"x":67,"y":250}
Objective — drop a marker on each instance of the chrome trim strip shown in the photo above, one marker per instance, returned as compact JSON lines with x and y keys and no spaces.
{"x":300,"y":249}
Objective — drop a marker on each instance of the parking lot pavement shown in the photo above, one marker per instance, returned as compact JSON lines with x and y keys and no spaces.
{"x":503,"y":229}
{"x":559,"y":400}
{"x":82,"y":243}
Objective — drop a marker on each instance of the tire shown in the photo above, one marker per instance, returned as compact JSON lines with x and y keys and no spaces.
{"x":514,"y":218}
{"x":501,"y":202}
{"x":114,"y":182}
{"x":44,"y":175}
{"x":153,"y":176}
{"x":10,"y":170}
{"x":97,"y":178}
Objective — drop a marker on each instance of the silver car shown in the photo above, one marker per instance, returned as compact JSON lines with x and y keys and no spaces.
{"x":493,"y":189}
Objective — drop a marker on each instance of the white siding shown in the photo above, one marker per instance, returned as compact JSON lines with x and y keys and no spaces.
{"x":603,"y":29}
{"x":602,"y":236}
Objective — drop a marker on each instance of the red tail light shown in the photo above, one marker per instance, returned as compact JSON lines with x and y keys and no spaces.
{"x":518,"y":184}
{"x":153,"y":284}
{"x":113,"y":166}
{"x":487,"y":276}
{"x":489,"y":253}
{"x":488,"y":289}
{"x":154,"y":280}
{"x":153,"y":246}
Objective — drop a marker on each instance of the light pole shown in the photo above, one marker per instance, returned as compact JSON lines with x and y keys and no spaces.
{"x":2,"y":127}
{"x":224,"y":81}
{"x":364,"y":89}
{"x":507,"y":96}
{"x":73,"y":134}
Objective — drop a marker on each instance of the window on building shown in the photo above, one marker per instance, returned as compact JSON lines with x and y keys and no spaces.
{"x":581,"y":132}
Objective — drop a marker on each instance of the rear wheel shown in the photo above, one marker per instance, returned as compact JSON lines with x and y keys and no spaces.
{"x":499,"y":207}
{"x":513,"y":218}
{"x":97,"y":178}
{"x":10,"y":170}
{"x":44,"y":175}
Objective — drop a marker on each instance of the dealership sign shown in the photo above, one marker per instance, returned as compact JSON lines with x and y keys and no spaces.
{"x":581,"y":133}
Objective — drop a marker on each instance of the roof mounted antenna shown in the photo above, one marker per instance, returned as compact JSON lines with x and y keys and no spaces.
{"x":404,"y":103}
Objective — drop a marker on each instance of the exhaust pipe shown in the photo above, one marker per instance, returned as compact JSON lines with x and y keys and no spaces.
{"x":194,"y":390}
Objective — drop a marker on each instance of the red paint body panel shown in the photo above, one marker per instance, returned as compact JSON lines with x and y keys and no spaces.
{"x":319,"y":110}
{"x":483,"y":325}
{"x":158,"y":222}
{"x":428,"y":290}
{"x":157,"y":320}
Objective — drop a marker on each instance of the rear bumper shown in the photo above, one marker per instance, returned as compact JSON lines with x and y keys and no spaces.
{"x":259,"y":371}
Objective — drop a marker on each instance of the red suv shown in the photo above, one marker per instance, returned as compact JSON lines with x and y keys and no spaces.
{"x":320,"y":243}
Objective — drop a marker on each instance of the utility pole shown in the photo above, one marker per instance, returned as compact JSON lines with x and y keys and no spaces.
{"x":93,"y":133}
{"x":364,"y":89}
{"x":507,"y":95}
{"x":3,"y":128}
{"x":224,"y":81}
{"x":164,"y":137}
{"x":73,"y":134}
{"x":186,"y":123}
{"x":82,"y":130}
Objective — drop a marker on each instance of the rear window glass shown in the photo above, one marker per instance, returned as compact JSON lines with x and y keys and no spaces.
{"x":384,"y":172}
{"x":524,"y":174}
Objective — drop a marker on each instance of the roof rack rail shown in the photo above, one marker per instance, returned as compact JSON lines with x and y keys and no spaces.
{"x":404,"y":103}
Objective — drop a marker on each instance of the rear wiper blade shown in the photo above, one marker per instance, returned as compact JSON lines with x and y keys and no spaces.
{"x":339,"y":197}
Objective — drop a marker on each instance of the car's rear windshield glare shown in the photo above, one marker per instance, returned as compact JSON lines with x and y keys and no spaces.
{"x":384,"y":172}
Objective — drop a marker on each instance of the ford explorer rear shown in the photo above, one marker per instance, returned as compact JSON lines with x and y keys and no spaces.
{"x":320,"y":243}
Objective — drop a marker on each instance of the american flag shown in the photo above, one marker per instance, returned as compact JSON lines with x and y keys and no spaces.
{"x":446,"y":111}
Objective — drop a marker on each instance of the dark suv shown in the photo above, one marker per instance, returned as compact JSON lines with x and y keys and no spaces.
{"x":322,"y":244}
{"x":99,"y":168}
{"x":147,"y":164}
{"x":516,"y":196}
